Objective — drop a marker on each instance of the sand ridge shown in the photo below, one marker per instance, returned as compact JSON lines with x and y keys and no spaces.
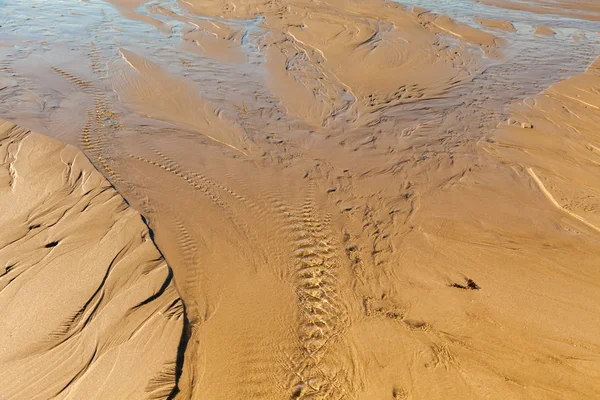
{"x":358,"y":200}
{"x":156,"y":94}
{"x":320,"y":58}
{"x":89,"y":308}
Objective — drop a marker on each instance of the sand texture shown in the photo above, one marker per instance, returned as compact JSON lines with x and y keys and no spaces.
{"x":544,"y":30}
{"x":496,"y":24}
{"x":557,"y":138}
{"x":88,"y":307}
{"x":584,"y":9}
{"x":356,"y":200}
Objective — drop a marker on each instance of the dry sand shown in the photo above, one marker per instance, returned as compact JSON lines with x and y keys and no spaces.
{"x":355,"y":199}
{"x":88,"y":307}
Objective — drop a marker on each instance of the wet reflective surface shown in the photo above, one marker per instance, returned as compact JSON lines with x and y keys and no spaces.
{"x":85,"y":37}
{"x":326,"y":168}
{"x":58,"y":33}
{"x":529,"y":62}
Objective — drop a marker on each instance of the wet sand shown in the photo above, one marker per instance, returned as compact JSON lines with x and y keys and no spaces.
{"x":544,"y":30}
{"x":497,"y":24}
{"x":582,"y":9}
{"x":357,"y":200}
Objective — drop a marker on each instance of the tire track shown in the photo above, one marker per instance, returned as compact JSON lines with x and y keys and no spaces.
{"x":211,"y":189}
{"x":256,"y":360}
{"x":6,"y":67}
{"x":192,"y":274}
{"x":14,"y":85}
{"x":202,"y":178}
{"x":98,"y":135}
{"x":314,"y":372}
{"x":96,"y":60}
{"x":191,"y":180}
{"x":257,"y":363}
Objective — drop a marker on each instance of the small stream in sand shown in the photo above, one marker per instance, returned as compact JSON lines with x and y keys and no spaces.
{"x":528,"y":58}
{"x":316,"y":175}
{"x":53,"y":52}
{"x":58,"y":33}
{"x":528,"y":64}
{"x":85,"y":37}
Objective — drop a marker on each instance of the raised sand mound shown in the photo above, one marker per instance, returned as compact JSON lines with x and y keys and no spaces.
{"x":88,"y":309}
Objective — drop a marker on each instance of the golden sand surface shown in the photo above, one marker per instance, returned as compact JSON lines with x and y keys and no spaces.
{"x":357,"y":200}
{"x":87,"y":303}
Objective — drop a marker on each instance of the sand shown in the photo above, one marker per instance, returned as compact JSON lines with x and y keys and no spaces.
{"x":89,"y":309}
{"x":544,"y":30}
{"x":561,"y":144}
{"x":496,"y":24}
{"x":582,"y":9}
{"x":154,"y":93}
{"x":129,"y":9}
{"x":357,"y":200}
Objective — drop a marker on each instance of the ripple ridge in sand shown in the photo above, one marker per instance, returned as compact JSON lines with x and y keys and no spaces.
{"x":87,"y":304}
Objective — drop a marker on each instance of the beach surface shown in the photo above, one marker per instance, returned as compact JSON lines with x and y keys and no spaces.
{"x":287,"y":199}
{"x":88,"y":305}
